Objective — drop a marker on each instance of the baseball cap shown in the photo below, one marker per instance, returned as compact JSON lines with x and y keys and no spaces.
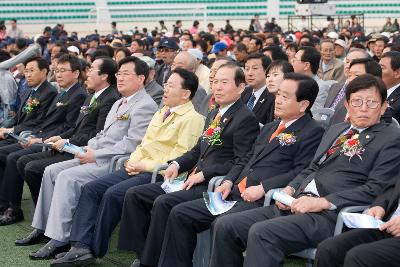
{"x":341,"y":43}
{"x":168,"y":43}
{"x":333,"y":35}
{"x":196,"y":53}
{"x":149,"y":61}
{"x":218,"y":47}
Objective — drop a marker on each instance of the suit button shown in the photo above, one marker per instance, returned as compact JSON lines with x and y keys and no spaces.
{"x":250,"y":170}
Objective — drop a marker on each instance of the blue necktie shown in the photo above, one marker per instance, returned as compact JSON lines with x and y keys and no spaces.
{"x":251,"y":101}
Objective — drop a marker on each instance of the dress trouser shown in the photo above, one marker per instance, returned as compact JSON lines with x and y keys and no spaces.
{"x":100,"y":207}
{"x":144,"y":218}
{"x":31,"y":168}
{"x":184,"y":222}
{"x":267,"y":234}
{"x":359,"y":247}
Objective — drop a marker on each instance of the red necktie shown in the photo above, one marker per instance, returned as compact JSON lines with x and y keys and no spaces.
{"x":280,"y":129}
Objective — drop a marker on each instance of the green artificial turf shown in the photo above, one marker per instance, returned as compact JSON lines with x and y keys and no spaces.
{"x":11,"y":255}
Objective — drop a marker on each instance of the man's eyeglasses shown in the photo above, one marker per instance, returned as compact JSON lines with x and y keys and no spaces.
{"x":124,"y":74}
{"x":359,"y":102}
{"x":61,"y":70}
{"x":165,"y":50}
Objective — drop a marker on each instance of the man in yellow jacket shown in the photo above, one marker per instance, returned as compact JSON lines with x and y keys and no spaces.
{"x":172,"y":131}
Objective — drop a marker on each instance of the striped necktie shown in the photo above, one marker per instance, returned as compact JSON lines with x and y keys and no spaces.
{"x":251,"y":101}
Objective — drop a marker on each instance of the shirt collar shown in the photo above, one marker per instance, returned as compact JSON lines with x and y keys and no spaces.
{"x":130,"y":97}
{"x":224,"y":109}
{"x":66,"y":90}
{"x":358,"y":129}
{"x":98,"y":93}
{"x":259,"y":92}
{"x":391,"y":89}
{"x":287,"y":124}
{"x":37,"y":87}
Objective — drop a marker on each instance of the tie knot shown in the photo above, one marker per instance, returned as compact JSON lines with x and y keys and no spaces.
{"x":217,"y":117}
{"x":281,"y":128}
{"x":166,"y":114}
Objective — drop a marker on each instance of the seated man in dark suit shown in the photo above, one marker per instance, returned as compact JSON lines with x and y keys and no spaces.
{"x":35,"y":101}
{"x":101,"y":80}
{"x":353,"y":164}
{"x":367,"y":247}
{"x":225,"y":141}
{"x":60,"y":117}
{"x":256,"y":95}
{"x":273,"y":162}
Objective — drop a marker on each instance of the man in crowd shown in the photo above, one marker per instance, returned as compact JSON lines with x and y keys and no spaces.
{"x":224,"y":142}
{"x":102,"y":81}
{"x":256,"y":95}
{"x":155,"y":90}
{"x":168,"y":50}
{"x":100,"y":205}
{"x":123,"y":130}
{"x":330,"y":68}
{"x":353,"y":164}
{"x":271,"y":163}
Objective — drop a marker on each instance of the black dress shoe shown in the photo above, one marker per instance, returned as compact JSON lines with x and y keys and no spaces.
{"x":48,"y":251}
{"x":74,"y":257}
{"x":11,"y":216}
{"x":33,"y":238}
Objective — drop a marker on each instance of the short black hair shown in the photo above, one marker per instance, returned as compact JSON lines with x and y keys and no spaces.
{"x":265,"y":61}
{"x":283,"y":65}
{"x":100,"y":53}
{"x":107,"y":48}
{"x":239,"y":74}
{"x":139,"y":42}
{"x":241,"y":47}
{"x":72,"y":60}
{"x":275,"y":38}
{"x":21,"y":43}
{"x":307,"y":88}
{"x":109,"y":67}
{"x":190,"y":81}
{"x":141,"y":67}
{"x":311,"y":55}
{"x":41,"y":62}
{"x":371,"y":66}
{"x":4,"y":55}
{"x":366,"y":81}
{"x":276,"y":52}
{"x":394,"y":59}
{"x":126,"y":51}
{"x":258,"y":41}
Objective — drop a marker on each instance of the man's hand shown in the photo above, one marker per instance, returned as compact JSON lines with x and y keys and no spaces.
{"x":225,"y":188}
{"x":392,"y":226}
{"x":306,"y":204}
{"x":193,"y":180}
{"x":171,"y":172}
{"x":58,"y":145}
{"x":288,"y":190}
{"x":31,"y":141}
{"x":134,"y":167}
{"x":4,"y":132}
{"x":53,"y":139}
{"x":88,"y":157}
{"x":376,"y":212}
{"x":253,"y":193}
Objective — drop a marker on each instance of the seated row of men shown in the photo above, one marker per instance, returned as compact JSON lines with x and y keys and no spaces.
{"x":79,"y":203}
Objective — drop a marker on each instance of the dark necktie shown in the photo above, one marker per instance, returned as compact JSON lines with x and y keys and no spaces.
{"x":166,"y":114}
{"x":251,"y":101}
{"x":339,"y":141}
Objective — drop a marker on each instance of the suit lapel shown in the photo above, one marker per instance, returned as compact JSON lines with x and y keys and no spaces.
{"x":261,"y":100}
{"x":328,"y":141}
{"x":335,"y":91}
{"x":63,"y":100}
{"x":394,"y":96}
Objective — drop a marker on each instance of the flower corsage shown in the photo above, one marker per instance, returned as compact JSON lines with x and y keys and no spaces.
{"x":31,"y":104}
{"x":213,"y":134}
{"x":124,"y":117}
{"x":286,"y":139}
{"x":352,"y":147}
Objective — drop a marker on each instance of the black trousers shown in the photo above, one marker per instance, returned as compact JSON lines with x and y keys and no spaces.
{"x":359,"y":247}
{"x":12,"y":182}
{"x":31,"y":168}
{"x":144,"y":218}
{"x":100,"y":207}
{"x":267,"y":234}
{"x":184,"y":222}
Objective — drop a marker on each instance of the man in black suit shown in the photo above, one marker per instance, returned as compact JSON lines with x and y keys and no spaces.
{"x":60,"y":117}
{"x":358,"y":66}
{"x":390,"y":64}
{"x":353,"y":164}
{"x":272,"y":162}
{"x":35,"y":102}
{"x":146,"y":208}
{"x":367,"y":247}
{"x":256,"y":95}
{"x":101,"y":80}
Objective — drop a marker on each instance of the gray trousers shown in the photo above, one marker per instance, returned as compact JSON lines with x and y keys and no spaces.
{"x":59,"y":195}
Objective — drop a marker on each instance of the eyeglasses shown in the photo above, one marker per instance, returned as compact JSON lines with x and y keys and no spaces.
{"x":124,"y":74}
{"x":165,"y":50}
{"x":93,"y":69}
{"x":61,"y":70}
{"x":29,"y":71}
{"x":358,"y":102}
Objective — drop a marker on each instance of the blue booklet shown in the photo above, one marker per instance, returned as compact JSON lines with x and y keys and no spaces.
{"x":215,"y":204}
{"x":73,"y":149}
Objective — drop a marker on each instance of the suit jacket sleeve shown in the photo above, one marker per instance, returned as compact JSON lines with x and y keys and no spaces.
{"x":37,"y":116}
{"x":384,"y":199}
{"x":303,"y":157}
{"x":385,"y":168}
{"x":139,"y":120}
{"x":82,"y":139}
{"x":243,"y":139}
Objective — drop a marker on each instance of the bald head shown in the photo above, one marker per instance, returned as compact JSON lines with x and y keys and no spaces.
{"x":184,"y":60}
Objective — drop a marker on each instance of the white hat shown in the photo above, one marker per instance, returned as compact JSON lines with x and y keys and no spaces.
{"x":341,"y":43}
{"x":73,"y":49}
{"x":333,"y":35}
{"x":196,"y":53}
{"x":149,"y":61}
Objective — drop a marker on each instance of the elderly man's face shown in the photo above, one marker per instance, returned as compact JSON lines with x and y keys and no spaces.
{"x":365,"y":107}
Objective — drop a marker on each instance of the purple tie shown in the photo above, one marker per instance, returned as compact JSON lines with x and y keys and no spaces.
{"x":166,"y":114}
{"x":339,"y":97}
